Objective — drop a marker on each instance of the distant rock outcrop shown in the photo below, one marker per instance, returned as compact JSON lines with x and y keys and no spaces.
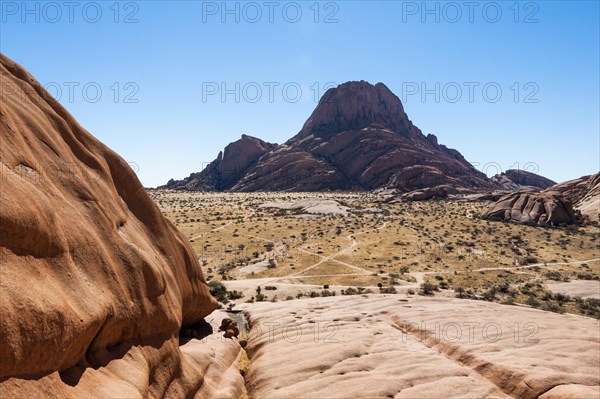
{"x":493,"y":196}
{"x":225,"y":171}
{"x":584,"y":194}
{"x":516,"y":179}
{"x":427,"y":194}
{"x":573,"y":201}
{"x":531,"y":207}
{"x":95,"y":283}
{"x":358,"y":137}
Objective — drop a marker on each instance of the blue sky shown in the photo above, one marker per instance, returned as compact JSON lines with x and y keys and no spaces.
{"x":507,"y":84}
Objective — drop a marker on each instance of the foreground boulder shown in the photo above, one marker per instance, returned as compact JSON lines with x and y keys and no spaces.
{"x":530,"y":207}
{"x":95,"y":284}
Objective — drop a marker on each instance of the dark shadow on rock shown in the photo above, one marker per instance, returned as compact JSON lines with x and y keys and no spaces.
{"x":102,"y":357}
{"x":203,"y":329}
{"x":198,"y":330}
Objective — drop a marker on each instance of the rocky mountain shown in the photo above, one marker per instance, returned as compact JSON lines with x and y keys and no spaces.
{"x":358,"y":137}
{"x":95,"y":284}
{"x":516,"y":179}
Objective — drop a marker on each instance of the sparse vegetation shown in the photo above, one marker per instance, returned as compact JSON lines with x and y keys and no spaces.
{"x":441,"y":243}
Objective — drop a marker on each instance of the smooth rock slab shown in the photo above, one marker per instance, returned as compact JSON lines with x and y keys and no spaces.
{"x":391,"y":346}
{"x":575,"y":288}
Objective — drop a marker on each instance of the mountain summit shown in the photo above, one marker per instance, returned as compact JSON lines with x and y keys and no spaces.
{"x":357,"y":105}
{"x":357,"y":138}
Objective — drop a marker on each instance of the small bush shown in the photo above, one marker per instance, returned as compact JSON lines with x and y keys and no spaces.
{"x":554,"y":275}
{"x":428,"y":288}
{"x":218,"y":291}
{"x":232,"y":295}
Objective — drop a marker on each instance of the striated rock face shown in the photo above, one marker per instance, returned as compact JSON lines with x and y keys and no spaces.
{"x":518,"y":179}
{"x":584,"y":194}
{"x":95,"y":283}
{"x":358,"y":137}
{"x":543,"y":208}
{"x":569,"y":202}
{"x":382,"y":346}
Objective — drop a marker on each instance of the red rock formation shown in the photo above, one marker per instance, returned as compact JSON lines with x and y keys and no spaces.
{"x":584,"y":194}
{"x":531,"y":207}
{"x":358,"y":137}
{"x":89,"y":268}
{"x":355,"y":105}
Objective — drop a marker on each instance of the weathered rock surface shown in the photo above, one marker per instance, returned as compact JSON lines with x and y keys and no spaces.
{"x":358,"y":137}
{"x":531,"y":207}
{"x":516,"y":179}
{"x":573,"y":201}
{"x":391,"y":346}
{"x":95,"y":283}
{"x":203,"y":365}
{"x":584,"y":194}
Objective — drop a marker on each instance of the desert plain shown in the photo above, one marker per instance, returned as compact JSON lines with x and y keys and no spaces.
{"x":297,"y":245}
